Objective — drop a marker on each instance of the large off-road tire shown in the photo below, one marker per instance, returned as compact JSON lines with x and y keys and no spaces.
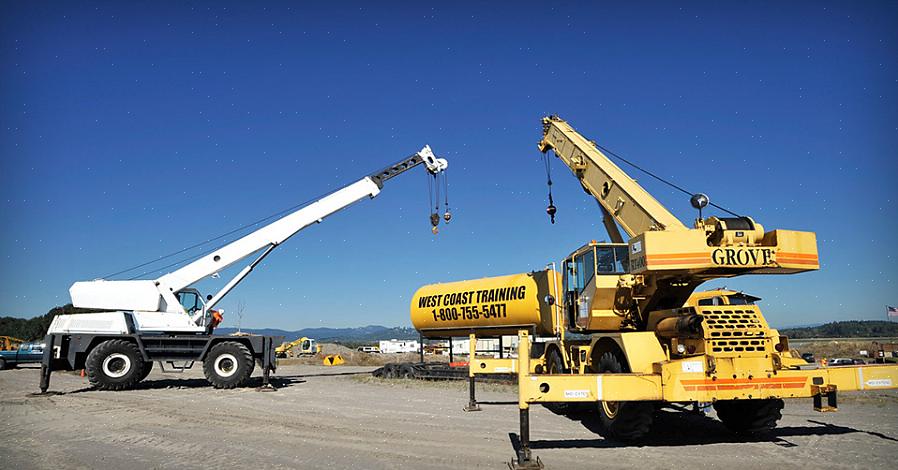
{"x":622,"y":420}
{"x":749,"y":416}
{"x":555,"y":365}
{"x":228,"y":365}
{"x":554,"y":362}
{"x":406,"y":371}
{"x":391,"y":371}
{"x":147,"y":368}
{"x":114,"y":364}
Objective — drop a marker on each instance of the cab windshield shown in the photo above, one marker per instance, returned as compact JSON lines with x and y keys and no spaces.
{"x":580,"y":269}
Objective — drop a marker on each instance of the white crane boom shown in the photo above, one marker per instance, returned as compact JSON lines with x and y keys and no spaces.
{"x":153,"y":301}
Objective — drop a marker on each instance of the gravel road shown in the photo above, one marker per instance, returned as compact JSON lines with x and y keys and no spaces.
{"x":341,"y":418}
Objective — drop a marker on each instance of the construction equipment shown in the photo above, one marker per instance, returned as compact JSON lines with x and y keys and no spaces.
{"x":298,"y":348}
{"x":8,"y":343}
{"x":168,"y":321}
{"x":644,"y":337}
{"x":333,"y":360}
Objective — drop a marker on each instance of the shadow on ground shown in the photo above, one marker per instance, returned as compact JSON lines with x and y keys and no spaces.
{"x":254,"y":382}
{"x":675,"y":428}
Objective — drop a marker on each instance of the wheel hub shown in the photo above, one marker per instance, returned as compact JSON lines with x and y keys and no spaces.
{"x":226,"y":365}
{"x":116,"y":365}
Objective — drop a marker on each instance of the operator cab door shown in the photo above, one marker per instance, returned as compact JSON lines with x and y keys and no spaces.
{"x":191,"y":300}
{"x":580,"y":272}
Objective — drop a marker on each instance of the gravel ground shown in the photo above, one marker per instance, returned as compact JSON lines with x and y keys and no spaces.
{"x":341,"y":418}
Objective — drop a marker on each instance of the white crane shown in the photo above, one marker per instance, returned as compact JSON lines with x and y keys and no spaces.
{"x":166,"y":318}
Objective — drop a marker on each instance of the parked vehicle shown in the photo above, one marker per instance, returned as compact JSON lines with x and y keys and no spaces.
{"x":840,"y":361}
{"x":28,"y":353}
{"x":809,"y":357}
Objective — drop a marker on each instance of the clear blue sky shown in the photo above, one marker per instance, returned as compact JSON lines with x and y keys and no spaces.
{"x":130,"y":130}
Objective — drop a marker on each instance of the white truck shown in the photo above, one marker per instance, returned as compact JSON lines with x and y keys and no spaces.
{"x":166,"y":320}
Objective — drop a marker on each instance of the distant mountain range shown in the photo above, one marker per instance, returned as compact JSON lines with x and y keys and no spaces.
{"x":845,"y":329}
{"x":371,"y":333}
{"x":358,"y":334}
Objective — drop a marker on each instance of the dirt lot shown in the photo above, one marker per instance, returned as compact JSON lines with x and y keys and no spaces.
{"x":340,"y":418}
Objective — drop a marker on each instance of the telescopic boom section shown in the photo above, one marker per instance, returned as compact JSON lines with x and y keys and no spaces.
{"x":620,"y":196}
{"x":280,"y":230}
{"x":146,"y":295}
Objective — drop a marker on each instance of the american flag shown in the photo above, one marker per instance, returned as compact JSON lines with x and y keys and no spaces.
{"x":891,"y":311}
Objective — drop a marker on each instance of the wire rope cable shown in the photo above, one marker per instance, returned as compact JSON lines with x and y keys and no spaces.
{"x":673,"y":185}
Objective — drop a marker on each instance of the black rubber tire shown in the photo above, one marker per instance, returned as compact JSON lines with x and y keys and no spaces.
{"x":390,"y":371}
{"x":116,"y":356}
{"x":2,"y":363}
{"x":554,"y":362}
{"x":555,"y":365}
{"x":749,"y":416}
{"x":147,"y":368}
{"x":623,"y":420}
{"x":235,"y":368}
{"x":406,"y":371}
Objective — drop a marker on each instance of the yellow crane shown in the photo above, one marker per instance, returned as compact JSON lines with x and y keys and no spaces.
{"x":645,"y":338}
{"x":298,"y":348}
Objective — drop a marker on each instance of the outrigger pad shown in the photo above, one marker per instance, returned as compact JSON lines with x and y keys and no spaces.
{"x":531,"y":464}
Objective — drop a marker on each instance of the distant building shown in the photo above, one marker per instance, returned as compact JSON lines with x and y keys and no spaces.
{"x":485,"y":346}
{"x":399,"y":346}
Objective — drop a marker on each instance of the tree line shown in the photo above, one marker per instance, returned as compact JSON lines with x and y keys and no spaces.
{"x":845,"y":329}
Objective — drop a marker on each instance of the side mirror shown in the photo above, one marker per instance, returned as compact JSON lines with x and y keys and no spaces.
{"x":549,"y":299}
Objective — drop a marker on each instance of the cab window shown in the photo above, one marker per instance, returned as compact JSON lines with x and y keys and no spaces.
{"x":190,"y":301}
{"x":605,"y":260}
{"x":621,"y":259}
{"x":579,"y":271}
{"x":612,"y":259}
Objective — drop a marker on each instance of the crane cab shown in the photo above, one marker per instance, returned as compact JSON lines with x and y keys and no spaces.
{"x":591,"y":276}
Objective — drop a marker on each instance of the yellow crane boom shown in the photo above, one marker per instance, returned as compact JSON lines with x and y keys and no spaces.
{"x":620,"y":197}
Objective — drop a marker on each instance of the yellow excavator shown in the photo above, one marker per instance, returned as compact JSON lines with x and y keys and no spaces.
{"x":298,"y":348}
{"x":8,"y":343}
{"x":644,"y":338}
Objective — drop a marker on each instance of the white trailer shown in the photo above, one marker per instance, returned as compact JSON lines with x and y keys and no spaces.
{"x":395,"y":346}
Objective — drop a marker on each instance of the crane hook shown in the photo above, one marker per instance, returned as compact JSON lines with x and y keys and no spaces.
{"x":434,"y":221}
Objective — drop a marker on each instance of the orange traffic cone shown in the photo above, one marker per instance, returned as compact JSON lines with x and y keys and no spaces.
{"x":82,"y":372}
